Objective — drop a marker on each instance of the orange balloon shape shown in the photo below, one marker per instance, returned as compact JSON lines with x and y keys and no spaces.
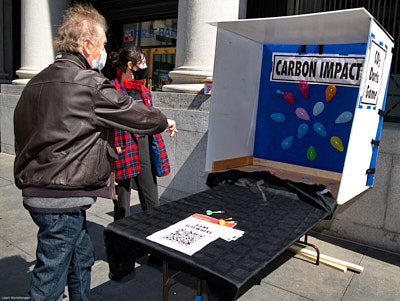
{"x":330,"y":92}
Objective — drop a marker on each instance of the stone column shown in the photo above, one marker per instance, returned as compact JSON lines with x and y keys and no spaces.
{"x":196,"y":39}
{"x":39,"y":23}
{"x":5,"y":41}
{"x":3,"y":74}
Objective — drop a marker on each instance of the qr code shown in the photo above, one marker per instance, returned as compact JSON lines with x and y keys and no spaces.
{"x":184,"y":237}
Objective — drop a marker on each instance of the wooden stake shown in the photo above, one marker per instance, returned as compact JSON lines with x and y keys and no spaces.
{"x":327,"y":260}
{"x":310,"y":256}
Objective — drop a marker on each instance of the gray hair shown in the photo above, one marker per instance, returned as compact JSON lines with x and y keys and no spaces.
{"x":79,"y":22}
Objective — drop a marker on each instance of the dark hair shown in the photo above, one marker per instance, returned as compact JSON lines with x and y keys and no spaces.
{"x":120,"y":59}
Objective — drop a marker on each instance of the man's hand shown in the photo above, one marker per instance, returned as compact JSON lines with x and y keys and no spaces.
{"x":171,"y":127}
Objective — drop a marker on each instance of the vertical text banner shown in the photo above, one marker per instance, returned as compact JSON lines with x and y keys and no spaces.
{"x":375,"y":64}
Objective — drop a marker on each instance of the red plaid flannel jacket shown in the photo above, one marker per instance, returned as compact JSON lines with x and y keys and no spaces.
{"x":127,"y":165}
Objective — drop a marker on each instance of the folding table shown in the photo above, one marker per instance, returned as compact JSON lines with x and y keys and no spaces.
{"x":273,"y":213}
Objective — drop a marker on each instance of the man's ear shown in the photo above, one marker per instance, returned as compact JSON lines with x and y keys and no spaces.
{"x":130,"y":65}
{"x":87,"y":49}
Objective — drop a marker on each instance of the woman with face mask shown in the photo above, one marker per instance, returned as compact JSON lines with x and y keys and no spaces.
{"x":141,"y":157}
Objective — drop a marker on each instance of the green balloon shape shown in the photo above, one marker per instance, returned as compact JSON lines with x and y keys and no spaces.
{"x":311,"y":153}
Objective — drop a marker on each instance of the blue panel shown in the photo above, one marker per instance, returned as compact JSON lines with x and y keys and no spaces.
{"x":278,"y":141}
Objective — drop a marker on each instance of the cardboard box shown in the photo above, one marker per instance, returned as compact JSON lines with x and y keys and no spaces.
{"x":301,"y":98}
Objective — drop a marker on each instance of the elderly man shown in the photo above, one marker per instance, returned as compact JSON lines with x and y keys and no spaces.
{"x":64,"y":142}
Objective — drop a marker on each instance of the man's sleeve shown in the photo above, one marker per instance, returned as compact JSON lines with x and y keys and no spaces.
{"x":113,"y":110}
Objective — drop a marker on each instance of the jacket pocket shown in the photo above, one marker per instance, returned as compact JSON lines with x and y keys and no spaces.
{"x":107,"y":156}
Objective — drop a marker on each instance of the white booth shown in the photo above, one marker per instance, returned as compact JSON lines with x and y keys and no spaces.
{"x":301,"y":97}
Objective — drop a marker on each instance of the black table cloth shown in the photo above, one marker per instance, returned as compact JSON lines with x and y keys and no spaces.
{"x":274,"y":214}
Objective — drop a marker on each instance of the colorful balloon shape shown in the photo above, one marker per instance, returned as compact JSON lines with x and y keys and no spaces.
{"x":304,"y":89}
{"x":318,"y":108}
{"x":319,"y":129}
{"x":287,"y":142}
{"x":311,"y":153}
{"x":302,"y":130}
{"x":346,"y":116}
{"x":337,"y":143}
{"x":278,"y":117}
{"x":302,"y":114}
{"x":289,"y":97}
{"x":330,"y":92}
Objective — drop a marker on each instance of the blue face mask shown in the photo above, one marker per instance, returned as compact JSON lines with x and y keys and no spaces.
{"x":100,"y":62}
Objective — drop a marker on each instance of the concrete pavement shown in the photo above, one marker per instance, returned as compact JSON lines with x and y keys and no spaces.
{"x":290,"y":277}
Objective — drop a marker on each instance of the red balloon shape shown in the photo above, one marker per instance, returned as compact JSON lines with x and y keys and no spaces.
{"x":289,"y":97}
{"x":304,"y":89}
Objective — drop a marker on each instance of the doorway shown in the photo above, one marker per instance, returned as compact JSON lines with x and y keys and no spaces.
{"x":160,"y":62}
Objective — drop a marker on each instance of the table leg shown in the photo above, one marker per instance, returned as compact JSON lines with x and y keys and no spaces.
{"x":199,"y":296}
{"x":305,"y":242}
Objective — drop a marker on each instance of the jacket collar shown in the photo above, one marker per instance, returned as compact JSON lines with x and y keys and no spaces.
{"x":75,"y":58}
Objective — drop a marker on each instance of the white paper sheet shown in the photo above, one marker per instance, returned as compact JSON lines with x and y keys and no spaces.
{"x":193,"y":233}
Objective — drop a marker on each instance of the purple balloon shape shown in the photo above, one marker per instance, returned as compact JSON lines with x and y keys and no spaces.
{"x":302,"y":114}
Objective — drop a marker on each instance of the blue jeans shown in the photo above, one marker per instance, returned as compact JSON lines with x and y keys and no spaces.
{"x":64,"y":256}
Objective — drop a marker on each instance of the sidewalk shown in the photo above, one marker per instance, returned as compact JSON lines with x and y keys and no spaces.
{"x":290,"y":277}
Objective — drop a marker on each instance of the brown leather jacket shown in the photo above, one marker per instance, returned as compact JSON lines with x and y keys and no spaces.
{"x":64,"y":130}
